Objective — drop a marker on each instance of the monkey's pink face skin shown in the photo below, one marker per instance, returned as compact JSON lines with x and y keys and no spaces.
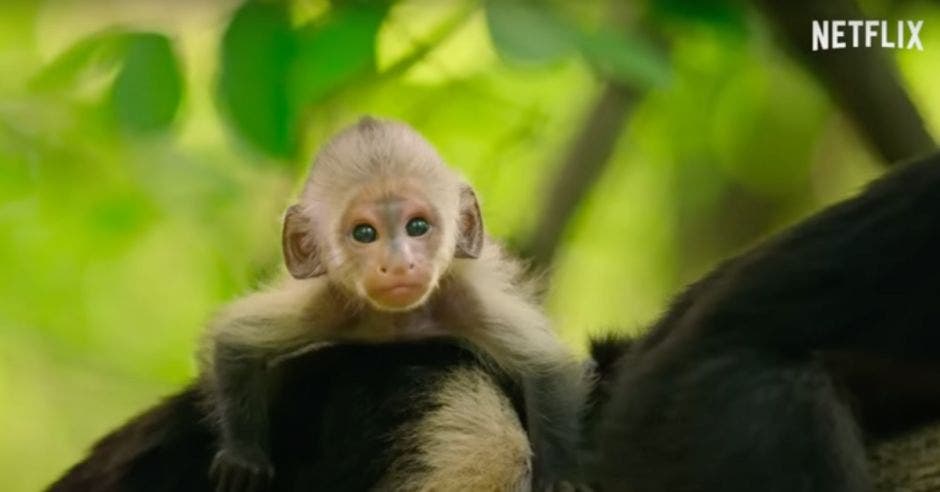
{"x":393,"y":233}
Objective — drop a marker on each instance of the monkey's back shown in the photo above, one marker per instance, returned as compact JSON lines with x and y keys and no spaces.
{"x":347,"y":417}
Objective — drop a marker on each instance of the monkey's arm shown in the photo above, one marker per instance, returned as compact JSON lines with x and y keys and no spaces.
{"x":240,"y":390}
{"x":244,"y":340}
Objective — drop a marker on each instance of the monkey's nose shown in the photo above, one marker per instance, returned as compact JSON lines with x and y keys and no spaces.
{"x":397,"y":268}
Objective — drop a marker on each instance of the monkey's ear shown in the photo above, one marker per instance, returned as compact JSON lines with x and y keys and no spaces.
{"x":301,"y":252}
{"x":469,"y":225}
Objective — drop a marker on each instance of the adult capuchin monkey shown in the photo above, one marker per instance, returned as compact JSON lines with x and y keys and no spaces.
{"x":421,"y":416}
{"x":386,"y":244}
{"x":771,"y":372}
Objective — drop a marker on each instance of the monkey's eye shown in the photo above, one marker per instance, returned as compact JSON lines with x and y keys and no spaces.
{"x":417,"y":227}
{"x":364,"y":233}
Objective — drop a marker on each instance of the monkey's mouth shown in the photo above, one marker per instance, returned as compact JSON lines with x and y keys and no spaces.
{"x":401,"y":290}
{"x":398,"y":295}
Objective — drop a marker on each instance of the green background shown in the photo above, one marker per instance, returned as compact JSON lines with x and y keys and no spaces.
{"x":147,"y":150}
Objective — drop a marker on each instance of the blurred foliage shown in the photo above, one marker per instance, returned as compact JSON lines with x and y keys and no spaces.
{"x":145,"y":92}
{"x":272,"y":70}
{"x":148,"y":148}
{"x":529,"y":32}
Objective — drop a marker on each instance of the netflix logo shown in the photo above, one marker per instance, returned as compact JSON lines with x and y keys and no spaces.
{"x":840,"y":34}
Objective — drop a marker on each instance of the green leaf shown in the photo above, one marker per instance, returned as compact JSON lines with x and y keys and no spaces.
{"x":336,"y":51}
{"x":96,"y":53}
{"x":257,"y":52}
{"x":149,"y":87}
{"x":625,"y":58}
{"x":271,"y":72}
{"x":527,"y":32}
{"x":145,"y":93}
{"x":726,"y":15}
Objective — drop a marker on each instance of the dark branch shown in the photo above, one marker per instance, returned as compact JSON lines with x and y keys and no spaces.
{"x":583,"y":163}
{"x":864,"y":82}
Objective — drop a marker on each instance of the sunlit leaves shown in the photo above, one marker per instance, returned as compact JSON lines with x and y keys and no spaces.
{"x":140,"y":68}
{"x":272,"y":71}
{"x":148,"y":89}
{"x":530,"y":32}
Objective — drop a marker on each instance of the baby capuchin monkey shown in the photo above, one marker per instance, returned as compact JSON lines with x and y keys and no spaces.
{"x":386,"y":244}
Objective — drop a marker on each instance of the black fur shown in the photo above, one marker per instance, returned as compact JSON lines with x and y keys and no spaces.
{"x":333,"y":419}
{"x":606,"y":354}
{"x":553,"y":403}
{"x":244,"y":462}
{"x":746,"y":382}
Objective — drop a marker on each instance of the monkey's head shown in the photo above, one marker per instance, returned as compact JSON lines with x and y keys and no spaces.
{"x":382,"y":216}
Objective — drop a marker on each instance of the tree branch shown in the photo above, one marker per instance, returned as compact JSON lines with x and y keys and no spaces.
{"x":583,"y":163}
{"x":864,"y":82}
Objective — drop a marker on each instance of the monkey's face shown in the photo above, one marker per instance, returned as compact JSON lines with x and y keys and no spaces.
{"x":391,"y":234}
{"x":385,"y":239}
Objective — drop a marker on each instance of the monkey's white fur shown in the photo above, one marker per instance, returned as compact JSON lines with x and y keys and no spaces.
{"x":504,"y":322}
{"x":472,"y":440}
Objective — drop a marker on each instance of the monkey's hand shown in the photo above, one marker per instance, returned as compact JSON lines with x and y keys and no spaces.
{"x":241,"y":470}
